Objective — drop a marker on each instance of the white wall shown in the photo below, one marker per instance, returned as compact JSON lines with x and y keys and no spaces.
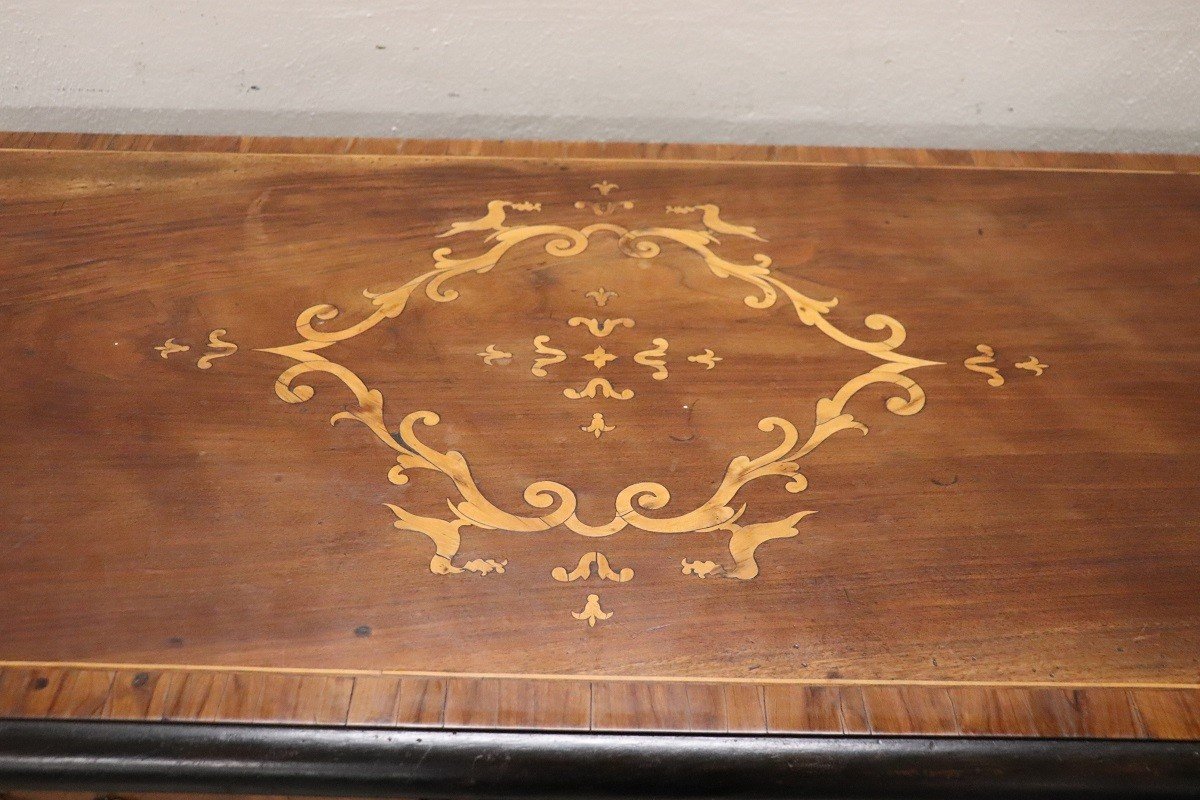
{"x":1027,"y":74}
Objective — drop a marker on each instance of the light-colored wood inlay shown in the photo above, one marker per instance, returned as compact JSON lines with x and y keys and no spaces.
{"x":601,"y":385}
{"x":604,"y":208}
{"x":654,"y":358}
{"x":541,"y":344}
{"x":708,"y":358}
{"x":583,"y":570}
{"x":1032,"y":365}
{"x":744,"y":540}
{"x":601,"y":296}
{"x":906,"y":299}
{"x":224,"y":349}
{"x":491,"y":356}
{"x":1111,"y":685}
{"x":592,"y":611}
{"x":711,"y":220}
{"x":484,"y":566}
{"x":980,"y":364}
{"x":600,"y":329}
{"x":597,"y":427}
{"x":701,"y":569}
{"x":492,"y":220}
{"x":554,"y":503}
{"x":599,"y":357}
{"x":170,"y":346}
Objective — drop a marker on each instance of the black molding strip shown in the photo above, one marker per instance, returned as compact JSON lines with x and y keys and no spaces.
{"x":262,"y":759}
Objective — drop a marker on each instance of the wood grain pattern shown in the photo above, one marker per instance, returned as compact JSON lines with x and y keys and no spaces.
{"x":480,"y":148}
{"x":803,"y":709}
{"x":544,"y":705}
{"x":138,"y":694}
{"x":422,"y":702}
{"x":896,"y":710}
{"x":1097,"y":484}
{"x":745,"y":708}
{"x":523,"y":704}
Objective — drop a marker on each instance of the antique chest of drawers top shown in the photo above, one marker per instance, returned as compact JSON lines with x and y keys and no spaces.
{"x":534,"y":440}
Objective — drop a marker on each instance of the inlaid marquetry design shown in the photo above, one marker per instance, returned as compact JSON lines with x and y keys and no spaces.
{"x":171,"y":346}
{"x":601,"y":296}
{"x":644,"y":506}
{"x":222,"y":348}
{"x":600,"y":329}
{"x":1032,"y":364}
{"x":598,"y":387}
{"x":701,"y":569}
{"x":541,"y":345}
{"x":484,"y":566}
{"x":654,"y":358}
{"x":603,"y":208}
{"x":711,"y":220}
{"x":599,"y":357}
{"x":985,"y":361}
{"x":708,"y":359}
{"x":587,"y":563}
{"x":982,"y":364}
{"x":492,"y":220}
{"x":592,"y":612}
{"x":491,"y":355}
{"x":597,"y":427}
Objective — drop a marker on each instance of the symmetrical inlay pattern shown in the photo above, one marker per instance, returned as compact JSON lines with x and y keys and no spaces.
{"x":552,"y":504}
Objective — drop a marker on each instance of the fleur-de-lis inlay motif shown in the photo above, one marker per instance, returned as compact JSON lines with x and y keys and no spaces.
{"x":170,"y":346}
{"x":708,"y":358}
{"x":592,"y":611}
{"x":491,"y":355}
{"x":603,"y":208}
{"x":597,"y":426}
{"x":601,"y":296}
{"x":1031,"y":364}
{"x":599,"y":357}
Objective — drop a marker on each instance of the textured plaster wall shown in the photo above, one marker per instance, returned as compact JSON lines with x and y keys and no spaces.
{"x":1028,"y":74}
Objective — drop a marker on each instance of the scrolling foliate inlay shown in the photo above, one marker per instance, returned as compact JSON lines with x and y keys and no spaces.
{"x":553,"y":505}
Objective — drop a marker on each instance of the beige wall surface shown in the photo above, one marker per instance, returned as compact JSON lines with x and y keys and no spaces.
{"x":1023,"y":74}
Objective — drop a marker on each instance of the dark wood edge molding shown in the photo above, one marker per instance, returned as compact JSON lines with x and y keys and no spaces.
{"x":189,"y":757}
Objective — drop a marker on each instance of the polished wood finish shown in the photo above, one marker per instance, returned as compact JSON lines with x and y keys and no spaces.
{"x":53,"y":755}
{"x":483,"y":148}
{"x":368,"y":699}
{"x":1016,"y":559}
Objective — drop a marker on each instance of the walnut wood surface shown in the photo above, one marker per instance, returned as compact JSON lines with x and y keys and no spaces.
{"x":373,"y":700}
{"x":1012,"y":560}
